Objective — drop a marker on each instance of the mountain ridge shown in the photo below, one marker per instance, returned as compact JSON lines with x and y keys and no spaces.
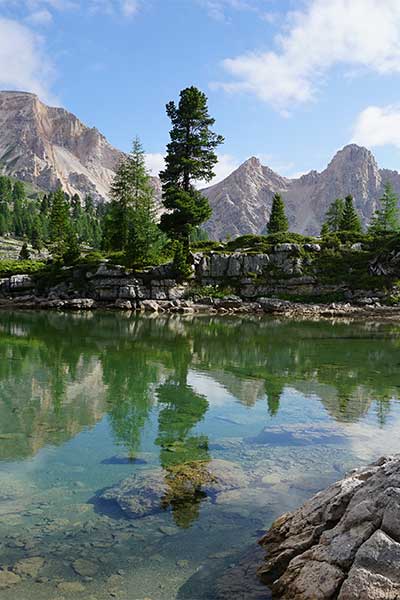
{"x":49,"y":147}
{"x":242,"y":201}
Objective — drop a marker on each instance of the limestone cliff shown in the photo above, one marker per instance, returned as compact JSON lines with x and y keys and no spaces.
{"x":50,"y":147}
{"x":242,"y":202}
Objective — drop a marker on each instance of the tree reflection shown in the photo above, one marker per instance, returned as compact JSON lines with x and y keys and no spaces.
{"x":183,"y":454}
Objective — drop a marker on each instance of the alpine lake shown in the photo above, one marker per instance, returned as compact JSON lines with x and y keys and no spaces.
{"x":143,"y":457}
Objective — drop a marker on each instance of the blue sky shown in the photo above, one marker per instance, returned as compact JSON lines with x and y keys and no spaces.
{"x":290,"y":81}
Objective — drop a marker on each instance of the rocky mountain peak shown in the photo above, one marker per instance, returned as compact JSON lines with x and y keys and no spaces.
{"x":49,"y":146}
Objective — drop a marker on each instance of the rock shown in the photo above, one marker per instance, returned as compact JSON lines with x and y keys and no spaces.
{"x":343,"y":543}
{"x":123,"y":304}
{"x":150,"y":490}
{"x":312,"y":247}
{"x":29,"y":566}
{"x":150,"y":306}
{"x":8,"y":579}
{"x":71,"y":587}
{"x":20,"y":282}
{"x":85,"y":568}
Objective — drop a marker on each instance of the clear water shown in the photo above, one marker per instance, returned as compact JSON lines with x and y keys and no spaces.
{"x":88,"y":400}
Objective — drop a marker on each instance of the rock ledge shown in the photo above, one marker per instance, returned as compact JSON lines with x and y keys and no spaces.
{"x":342,"y":544}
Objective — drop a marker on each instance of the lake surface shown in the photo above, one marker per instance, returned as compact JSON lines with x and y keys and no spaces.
{"x":88,"y":401}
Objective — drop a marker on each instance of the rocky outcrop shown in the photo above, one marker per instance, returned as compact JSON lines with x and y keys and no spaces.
{"x":342,"y":544}
{"x":49,"y":147}
{"x":242,"y":202}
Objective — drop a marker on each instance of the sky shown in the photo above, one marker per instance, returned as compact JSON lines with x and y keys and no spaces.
{"x":289,"y":81}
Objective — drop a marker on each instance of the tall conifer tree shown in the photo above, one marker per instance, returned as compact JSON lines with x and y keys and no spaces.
{"x":278,"y":222}
{"x":386,"y":219}
{"x":350,"y":219}
{"x":190,"y":158}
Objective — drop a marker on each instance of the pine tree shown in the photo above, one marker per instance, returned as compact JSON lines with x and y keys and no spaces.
{"x":386,"y":219}
{"x":24,"y":254}
{"x":59,"y":217}
{"x":278,"y":222}
{"x":190,"y":157}
{"x":334,"y":215}
{"x":118,"y":215}
{"x":71,"y":250}
{"x":350,"y":220}
{"x":325,"y":230}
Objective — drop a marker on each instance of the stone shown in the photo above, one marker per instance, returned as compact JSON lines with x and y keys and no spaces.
{"x":123,"y":304}
{"x":343,"y":543}
{"x":29,"y":566}
{"x":8,"y":579}
{"x":85,"y":568}
{"x":148,"y":491}
{"x":71,"y":587}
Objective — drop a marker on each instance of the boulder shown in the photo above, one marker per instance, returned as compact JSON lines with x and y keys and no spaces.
{"x":344,"y":543}
{"x":151,"y":490}
{"x":20,"y":282}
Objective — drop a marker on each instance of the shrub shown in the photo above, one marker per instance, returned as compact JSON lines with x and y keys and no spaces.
{"x":19,"y":267}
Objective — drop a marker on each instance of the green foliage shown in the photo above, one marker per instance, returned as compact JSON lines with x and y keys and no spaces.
{"x":71,"y":250}
{"x":19,"y":267}
{"x":130,"y":222}
{"x":350,"y":220}
{"x":334,"y":217}
{"x":198,"y":235}
{"x":386,"y":219}
{"x":181,"y":266}
{"x":190,"y":157}
{"x":59,"y":218}
{"x":24,"y":254}
{"x":211,"y":291}
{"x":278,"y":222}
{"x":206,"y":245}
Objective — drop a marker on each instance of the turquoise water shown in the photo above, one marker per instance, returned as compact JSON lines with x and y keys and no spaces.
{"x":88,"y":401}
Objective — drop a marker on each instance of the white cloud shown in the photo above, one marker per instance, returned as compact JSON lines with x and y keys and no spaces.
{"x":41,"y":17}
{"x":23,"y":62}
{"x":362,"y":34}
{"x":155,"y":163}
{"x":126,"y":8}
{"x":217,"y":9}
{"x":378,"y":126}
{"x":226,"y":164}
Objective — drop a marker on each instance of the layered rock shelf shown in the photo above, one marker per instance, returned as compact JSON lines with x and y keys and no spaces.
{"x":290,"y":279}
{"x":343,"y":544}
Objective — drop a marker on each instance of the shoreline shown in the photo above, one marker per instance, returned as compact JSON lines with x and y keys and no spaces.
{"x":210,"y":306}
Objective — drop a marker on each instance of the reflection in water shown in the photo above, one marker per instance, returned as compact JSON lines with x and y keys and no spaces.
{"x":183,"y":455}
{"x":281,"y":408}
{"x":60,"y":374}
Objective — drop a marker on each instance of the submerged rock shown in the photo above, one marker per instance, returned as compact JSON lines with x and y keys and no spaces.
{"x":8,"y":579}
{"x":344,"y":543}
{"x":29,"y":566}
{"x":152,"y":490}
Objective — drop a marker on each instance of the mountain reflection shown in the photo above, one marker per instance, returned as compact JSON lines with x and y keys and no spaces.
{"x":62,"y":373}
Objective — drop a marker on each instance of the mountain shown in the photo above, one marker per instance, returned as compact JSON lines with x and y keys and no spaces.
{"x":242,"y":202}
{"x":50,"y":147}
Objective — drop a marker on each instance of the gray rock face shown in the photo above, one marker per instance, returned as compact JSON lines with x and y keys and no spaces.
{"x":49,"y":147}
{"x":242,"y":202}
{"x":342,"y":544}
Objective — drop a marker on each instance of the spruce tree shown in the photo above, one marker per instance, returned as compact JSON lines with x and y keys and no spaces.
{"x":24,"y":253}
{"x":190,"y":158}
{"x":278,"y":222}
{"x":334,"y":215}
{"x":350,"y":220}
{"x":130,"y":224}
{"x":59,"y":217}
{"x":386,"y":219}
